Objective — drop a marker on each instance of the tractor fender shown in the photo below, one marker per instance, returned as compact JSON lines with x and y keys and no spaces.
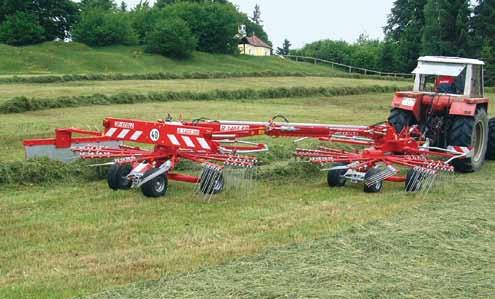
{"x":462,"y":109}
{"x":408,"y":102}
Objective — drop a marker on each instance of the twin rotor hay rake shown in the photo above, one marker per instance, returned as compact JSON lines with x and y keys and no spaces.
{"x":217,"y":146}
{"x":383,"y":152}
{"x":150,"y":169}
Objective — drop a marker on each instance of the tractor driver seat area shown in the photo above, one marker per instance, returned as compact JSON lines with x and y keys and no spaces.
{"x":449,"y":84}
{"x":445,"y":84}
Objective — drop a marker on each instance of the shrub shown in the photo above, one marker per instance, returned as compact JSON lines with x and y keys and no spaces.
{"x":21,"y":29}
{"x":213,"y":24}
{"x":104,"y":28}
{"x":171,"y":37}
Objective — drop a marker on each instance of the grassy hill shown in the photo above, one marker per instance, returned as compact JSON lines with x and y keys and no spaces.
{"x":75,"y":58}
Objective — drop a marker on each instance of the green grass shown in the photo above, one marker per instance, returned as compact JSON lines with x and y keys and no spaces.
{"x":75,"y":58}
{"x":439,"y":248}
{"x":77,"y":237}
{"x":81,"y":88}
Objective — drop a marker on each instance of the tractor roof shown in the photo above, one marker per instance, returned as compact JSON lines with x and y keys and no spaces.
{"x":449,"y":60}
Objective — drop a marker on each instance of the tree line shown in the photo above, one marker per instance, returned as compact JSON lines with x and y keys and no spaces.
{"x":415,"y":28}
{"x":173,"y":28}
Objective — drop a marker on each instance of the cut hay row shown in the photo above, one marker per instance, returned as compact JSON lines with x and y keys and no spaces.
{"x":176,"y":76}
{"x":24,"y":104}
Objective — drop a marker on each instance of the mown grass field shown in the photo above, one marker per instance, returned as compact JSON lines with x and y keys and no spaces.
{"x":296,"y":237}
{"x":82,"y":88}
{"x":75,"y":58}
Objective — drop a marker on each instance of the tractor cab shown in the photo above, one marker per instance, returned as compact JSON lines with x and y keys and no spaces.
{"x":449,"y":75}
{"x":449,"y":107}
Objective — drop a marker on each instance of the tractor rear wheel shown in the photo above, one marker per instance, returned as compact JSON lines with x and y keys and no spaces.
{"x":400,"y":119}
{"x":490,"y":150}
{"x":335,"y":177}
{"x":157,"y":187}
{"x":117,"y":177}
{"x":376,"y":187}
{"x":470,"y":132}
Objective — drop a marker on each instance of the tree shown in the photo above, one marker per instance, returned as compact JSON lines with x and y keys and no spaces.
{"x":387,"y":60}
{"x":55,"y":16}
{"x":143,"y":19}
{"x":213,"y":24}
{"x":446,"y":28}
{"x":405,"y":29}
{"x":483,"y":24}
{"x":123,"y":6}
{"x":171,"y":37}
{"x":21,"y":29}
{"x":488,"y":56}
{"x":97,"y":4}
{"x":285,"y":49}
{"x":432,"y":43}
{"x":162,"y":3}
{"x":104,"y":28}
{"x":257,"y":15}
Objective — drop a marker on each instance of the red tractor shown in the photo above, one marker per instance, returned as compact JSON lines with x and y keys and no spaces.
{"x":449,"y":106}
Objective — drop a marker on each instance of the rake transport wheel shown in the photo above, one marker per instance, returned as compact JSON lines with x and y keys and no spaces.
{"x":212,"y":182}
{"x":335,"y":177}
{"x":413,"y":181}
{"x":400,"y":119}
{"x":470,"y":132}
{"x":375,"y":188}
{"x":157,"y":187}
{"x":490,"y":150}
{"x":117,"y":177}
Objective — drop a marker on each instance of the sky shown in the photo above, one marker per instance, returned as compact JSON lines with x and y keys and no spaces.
{"x":306,"y":21}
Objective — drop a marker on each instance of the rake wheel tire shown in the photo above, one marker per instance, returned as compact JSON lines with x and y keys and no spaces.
{"x":210,"y":187}
{"x":375,"y":188}
{"x":399,"y":119}
{"x":157,"y":187}
{"x":470,"y":132}
{"x":117,"y":177}
{"x":413,"y":181}
{"x":490,"y":150}
{"x":335,"y":177}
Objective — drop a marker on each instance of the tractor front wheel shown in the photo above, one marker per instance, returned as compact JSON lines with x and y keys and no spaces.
{"x":335,"y":177}
{"x":156,"y":187}
{"x":400,"y":119}
{"x":470,"y":132}
{"x":117,"y":177}
{"x":490,"y":150}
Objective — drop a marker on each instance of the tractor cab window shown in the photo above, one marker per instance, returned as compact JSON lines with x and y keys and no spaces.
{"x":449,"y":78}
{"x":451,"y":84}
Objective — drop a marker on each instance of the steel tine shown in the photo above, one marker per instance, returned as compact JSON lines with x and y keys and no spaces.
{"x":208,"y":180}
{"x":415,"y":179}
{"x":202,"y":175}
{"x":430,"y":178}
{"x":434,"y":176}
{"x":217,"y":175}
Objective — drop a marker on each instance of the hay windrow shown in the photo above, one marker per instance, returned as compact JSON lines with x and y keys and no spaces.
{"x":25,"y":104}
{"x":177,"y":76}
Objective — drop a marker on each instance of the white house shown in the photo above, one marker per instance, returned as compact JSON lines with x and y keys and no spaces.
{"x":254,"y":46}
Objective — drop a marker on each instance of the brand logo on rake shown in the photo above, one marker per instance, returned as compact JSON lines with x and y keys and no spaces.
{"x":124,"y":125}
{"x":183,"y":131}
{"x":154,"y":135}
{"x":409,"y":102}
{"x":229,"y":128}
